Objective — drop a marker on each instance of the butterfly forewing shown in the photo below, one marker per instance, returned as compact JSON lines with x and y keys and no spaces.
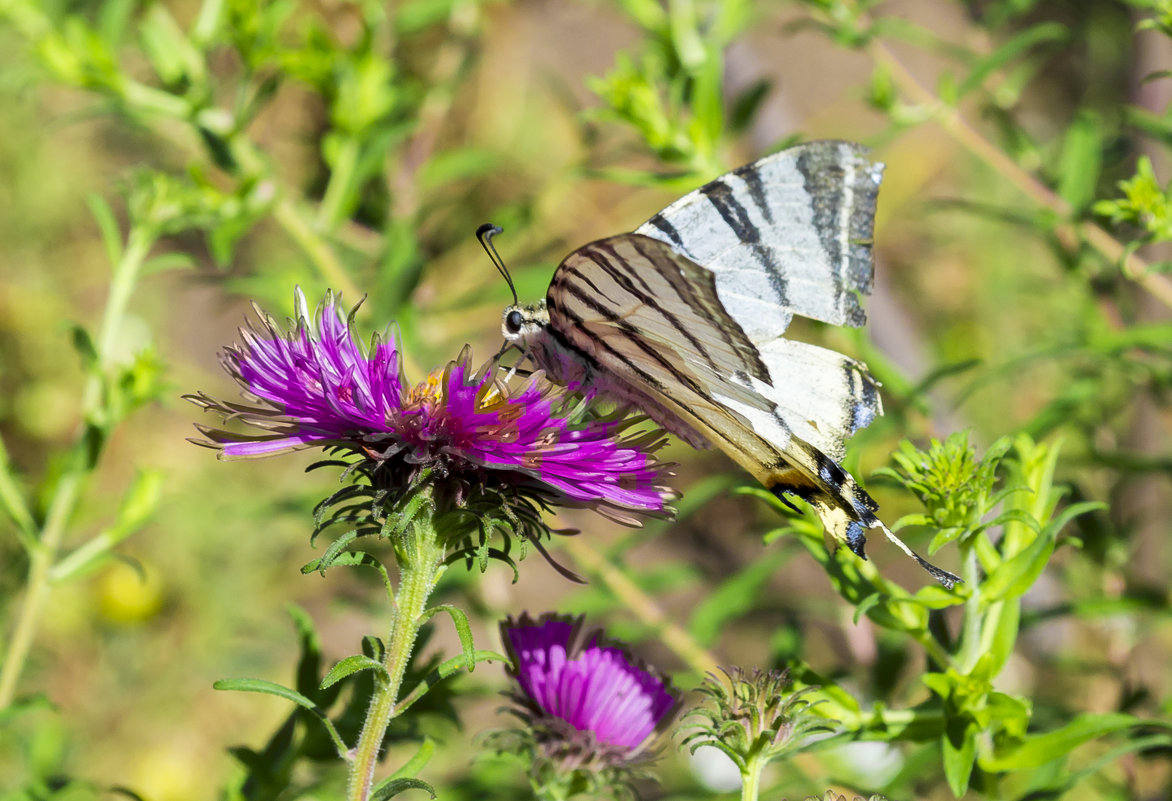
{"x":682,"y":359}
{"x":639,"y":285}
{"x":789,"y":234}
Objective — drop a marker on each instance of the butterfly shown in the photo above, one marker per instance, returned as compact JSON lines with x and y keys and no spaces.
{"x":685,"y":317}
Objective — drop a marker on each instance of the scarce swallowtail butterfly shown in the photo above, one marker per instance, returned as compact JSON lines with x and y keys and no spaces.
{"x":685,"y":319}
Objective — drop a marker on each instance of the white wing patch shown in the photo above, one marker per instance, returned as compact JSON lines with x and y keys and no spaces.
{"x":789,"y":234}
{"x":823,"y":396}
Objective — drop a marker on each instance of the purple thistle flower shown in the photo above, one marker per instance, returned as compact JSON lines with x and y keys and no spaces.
{"x":588,"y":702}
{"x":315,"y":386}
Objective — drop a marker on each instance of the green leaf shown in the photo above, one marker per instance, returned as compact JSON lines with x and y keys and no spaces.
{"x":1067,"y":780}
{"x":960,"y":752}
{"x":906,"y":520}
{"x":933,"y":596}
{"x":999,"y":633}
{"x":211,"y":12}
{"x":939,"y":683}
{"x":1037,"y":750}
{"x":441,"y":672}
{"x":412,"y":17}
{"x":20,"y":706}
{"x":268,"y":688}
{"x":457,"y":165}
{"x":648,"y":14}
{"x":393,"y":787}
{"x":107,"y":226}
{"x":1158,"y":126}
{"x":351,"y":665}
{"x":137,"y":507}
{"x":332,"y":554}
{"x":865,"y":605}
{"x":943,"y":537}
{"x":683,"y":30}
{"x":1006,"y":714}
{"x":14,"y":504}
{"x":707,"y":104}
{"x":167,"y":261}
{"x":1013,"y":577}
{"x":1012,"y":49}
{"x":83,"y":344}
{"x":747,"y":104}
{"x":415,"y":764}
{"x":1082,"y":159}
{"x":463,"y":629}
{"x":168,"y":49}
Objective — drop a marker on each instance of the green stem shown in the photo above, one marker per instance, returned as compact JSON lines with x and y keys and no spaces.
{"x":970,"y":644}
{"x":933,"y":648}
{"x":555,"y":790}
{"x":420,"y":557}
{"x":751,"y":777}
{"x":340,"y":188}
{"x":290,"y":217}
{"x":37,"y":592}
{"x":85,"y":450}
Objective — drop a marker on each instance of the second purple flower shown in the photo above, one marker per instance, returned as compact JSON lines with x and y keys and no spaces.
{"x":589,"y":701}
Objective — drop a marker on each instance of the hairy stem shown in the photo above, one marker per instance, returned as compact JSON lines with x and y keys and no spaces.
{"x":751,"y":777}
{"x":420,"y":557}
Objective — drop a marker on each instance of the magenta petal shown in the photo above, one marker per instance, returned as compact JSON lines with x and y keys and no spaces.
{"x":596,"y":688}
{"x":314,"y":384}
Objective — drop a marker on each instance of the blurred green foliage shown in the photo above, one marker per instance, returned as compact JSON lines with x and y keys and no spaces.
{"x":163,"y":161}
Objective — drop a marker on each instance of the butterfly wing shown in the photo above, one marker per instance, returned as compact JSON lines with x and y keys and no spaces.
{"x":788,"y":234}
{"x":646,"y":319}
{"x":684,"y":319}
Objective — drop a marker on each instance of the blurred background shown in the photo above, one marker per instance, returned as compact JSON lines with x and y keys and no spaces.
{"x":356,"y":146}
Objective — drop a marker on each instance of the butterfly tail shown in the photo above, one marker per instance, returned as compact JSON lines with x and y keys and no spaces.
{"x":846,"y":511}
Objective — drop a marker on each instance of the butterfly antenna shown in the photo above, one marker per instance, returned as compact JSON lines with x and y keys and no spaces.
{"x":485,"y":233}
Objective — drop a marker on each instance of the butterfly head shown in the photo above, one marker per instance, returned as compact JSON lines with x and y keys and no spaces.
{"x":523,"y":324}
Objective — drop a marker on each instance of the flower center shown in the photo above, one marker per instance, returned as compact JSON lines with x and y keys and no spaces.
{"x":429,"y":393}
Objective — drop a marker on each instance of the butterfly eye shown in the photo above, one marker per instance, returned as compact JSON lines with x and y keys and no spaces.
{"x":513,"y":322}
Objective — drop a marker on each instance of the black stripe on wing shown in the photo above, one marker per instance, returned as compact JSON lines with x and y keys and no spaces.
{"x":642,"y":382}
{"x":793,"y":229}
{"x":568,"y":288}
{"x":832,"y":191}
{"x":664,"y":296}
{"x":724,"y":199}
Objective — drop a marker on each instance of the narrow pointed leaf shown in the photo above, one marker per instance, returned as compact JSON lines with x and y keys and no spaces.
{"x":351,"y":665}
{"x":463,"y":629}
{"x":107,"y":226}
{"x":416,"y":763}
{"x":1035,"y":751}
{"x":391,"y":788}
{"x":441,"y":672}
